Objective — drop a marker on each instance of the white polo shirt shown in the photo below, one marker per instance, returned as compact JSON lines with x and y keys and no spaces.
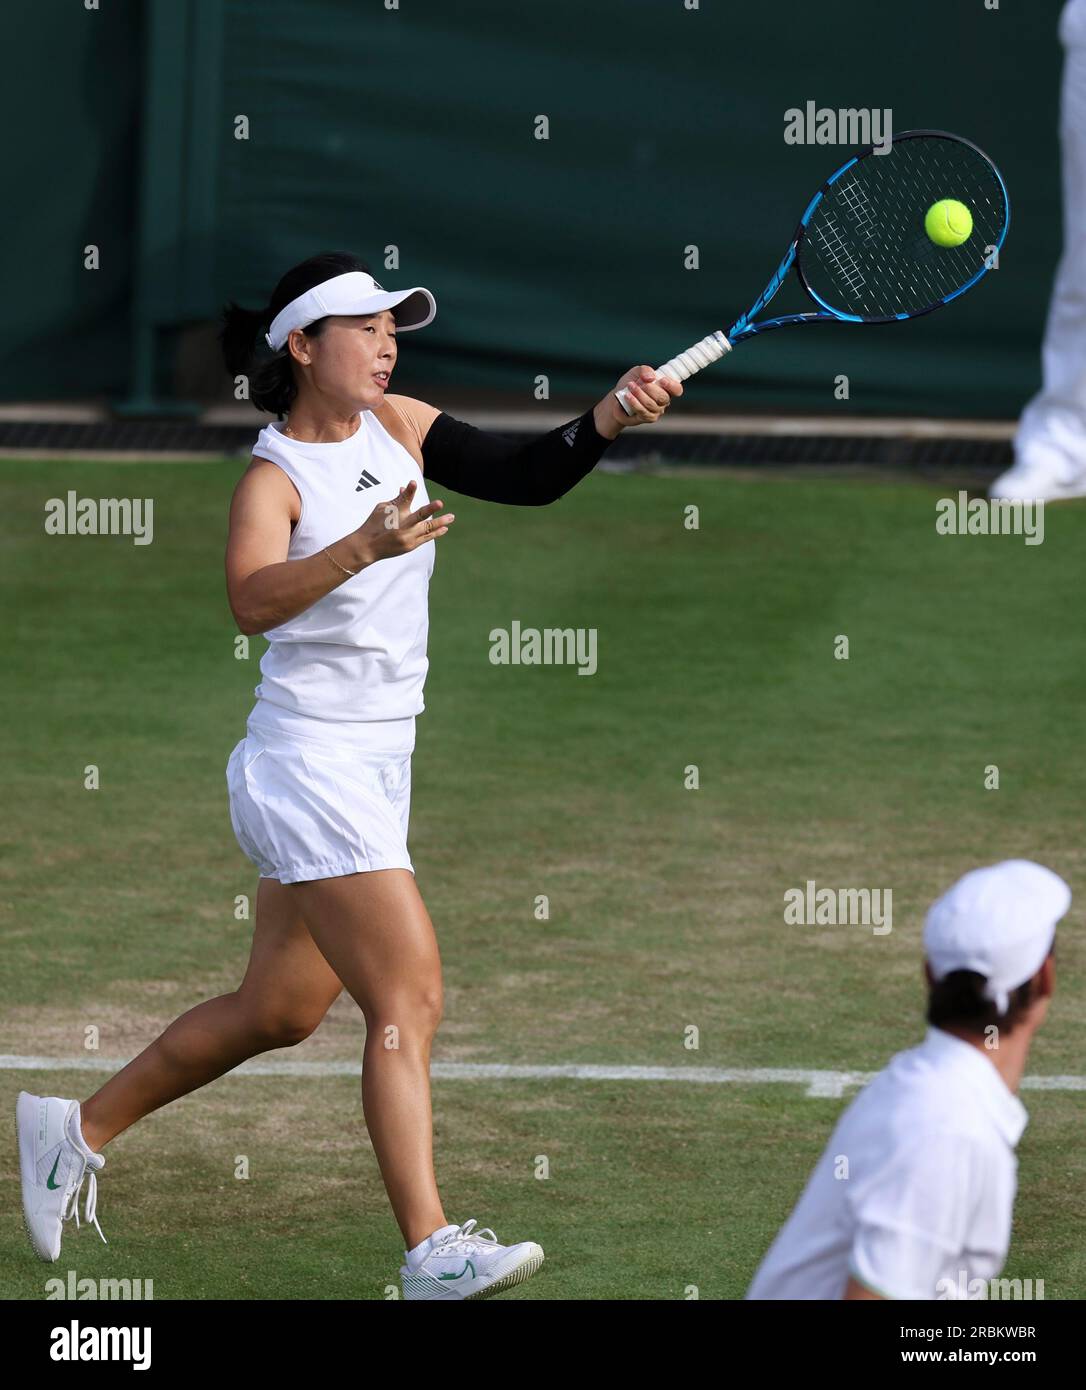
{"x":915,"y":1187}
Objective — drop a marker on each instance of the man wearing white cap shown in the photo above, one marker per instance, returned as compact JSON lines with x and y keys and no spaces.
{"x":912,"y":1198}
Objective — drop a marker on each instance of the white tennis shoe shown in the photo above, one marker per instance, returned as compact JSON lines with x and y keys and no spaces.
{"x":1041,"y":474}
{"x":54,"y":1162}
{"x":460,"y":1262}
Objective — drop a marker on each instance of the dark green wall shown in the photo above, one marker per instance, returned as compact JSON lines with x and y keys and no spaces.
{"x":71,"y":87}
{"x":414,"y":127}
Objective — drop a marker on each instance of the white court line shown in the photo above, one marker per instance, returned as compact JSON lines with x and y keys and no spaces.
{"x":831,"y":1084}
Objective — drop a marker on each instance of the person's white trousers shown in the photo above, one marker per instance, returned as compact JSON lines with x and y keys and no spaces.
{"x":1055,"y":420}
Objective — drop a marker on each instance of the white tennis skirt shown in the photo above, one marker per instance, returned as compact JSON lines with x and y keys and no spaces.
{"x":314,"y":799}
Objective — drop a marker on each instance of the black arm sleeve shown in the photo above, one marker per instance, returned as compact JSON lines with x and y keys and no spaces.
{"x":531,"y":474}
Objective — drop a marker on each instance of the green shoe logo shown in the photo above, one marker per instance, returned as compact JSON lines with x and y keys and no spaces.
{"x":467,"y":1265}
{"x":49,"y":1180}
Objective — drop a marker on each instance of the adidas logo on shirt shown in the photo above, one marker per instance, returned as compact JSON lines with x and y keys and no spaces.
{"x":367,"y":480}
{"x":570,"y":434}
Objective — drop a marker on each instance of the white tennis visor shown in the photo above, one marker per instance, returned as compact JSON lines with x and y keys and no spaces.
{"x":353,"y":293}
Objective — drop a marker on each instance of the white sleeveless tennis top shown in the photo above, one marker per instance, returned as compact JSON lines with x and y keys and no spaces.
{"x":359,"y":653}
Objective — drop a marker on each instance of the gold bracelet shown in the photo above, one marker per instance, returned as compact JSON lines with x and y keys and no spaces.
{"x":338,"y":566}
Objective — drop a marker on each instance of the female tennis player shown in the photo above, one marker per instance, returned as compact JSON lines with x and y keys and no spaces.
{"x":330,"y":551}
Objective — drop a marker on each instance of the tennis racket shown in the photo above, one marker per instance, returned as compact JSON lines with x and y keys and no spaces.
{"x":861,"y":251}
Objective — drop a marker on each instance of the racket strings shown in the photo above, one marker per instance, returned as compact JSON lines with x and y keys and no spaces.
{"x":866,"y":251}
{"x":835,"y":249}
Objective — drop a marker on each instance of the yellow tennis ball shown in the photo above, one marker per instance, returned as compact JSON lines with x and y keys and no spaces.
{"x":949,"y":222}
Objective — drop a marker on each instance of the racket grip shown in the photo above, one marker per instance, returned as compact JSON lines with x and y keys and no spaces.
{"x":710,"y":349}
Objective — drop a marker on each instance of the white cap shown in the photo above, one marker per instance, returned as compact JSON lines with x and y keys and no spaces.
{"x":352,"y":293}
{"x":999,"y":921}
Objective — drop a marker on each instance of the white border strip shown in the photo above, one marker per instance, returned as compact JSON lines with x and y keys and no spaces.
{"x":497,"y":416}
{"x":822,"y":1084}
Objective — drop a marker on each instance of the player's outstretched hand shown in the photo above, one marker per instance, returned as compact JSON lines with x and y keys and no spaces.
{"x":392,"y":528}
{"x":647,"y":395}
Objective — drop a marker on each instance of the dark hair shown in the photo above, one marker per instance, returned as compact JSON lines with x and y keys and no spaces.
{"x":272,"y":384}
{"x":957,"y":1001}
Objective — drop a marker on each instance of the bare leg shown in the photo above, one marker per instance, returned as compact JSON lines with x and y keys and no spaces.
{"x":287,"y":990}
{"x":377,"y":937}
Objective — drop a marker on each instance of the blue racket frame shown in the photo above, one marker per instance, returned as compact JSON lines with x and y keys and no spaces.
{"x":744,"y":327}
{"x":713,"y":347}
